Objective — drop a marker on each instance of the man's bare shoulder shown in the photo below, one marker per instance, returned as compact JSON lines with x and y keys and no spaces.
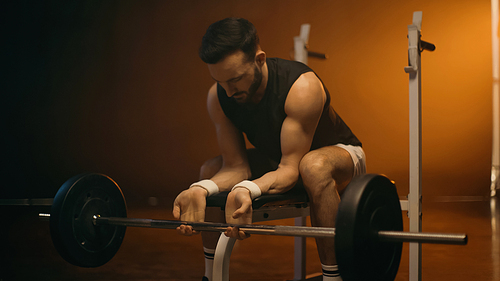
{"x":213,"y":90}
{"x":307,"y":93}
{"x":213,"y":105}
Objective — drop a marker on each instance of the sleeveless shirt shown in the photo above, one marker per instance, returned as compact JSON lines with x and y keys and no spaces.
{"x":262,"y":122}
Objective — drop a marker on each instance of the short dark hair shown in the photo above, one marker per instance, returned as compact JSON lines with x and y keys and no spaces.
{"x":227,"y":36}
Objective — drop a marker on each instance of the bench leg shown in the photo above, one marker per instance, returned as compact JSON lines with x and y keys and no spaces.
{"x":222,"y":257}
{"x":300,"y":253}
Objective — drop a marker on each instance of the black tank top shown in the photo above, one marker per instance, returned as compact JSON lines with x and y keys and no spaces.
{"x":262,"y":122}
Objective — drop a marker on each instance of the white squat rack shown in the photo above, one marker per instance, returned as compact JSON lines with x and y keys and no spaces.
{"x":414,"y":203}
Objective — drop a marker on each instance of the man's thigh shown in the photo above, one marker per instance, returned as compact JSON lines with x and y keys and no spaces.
{"x":357,"y":156}
{"x":338,"y":162}
{"x":327,"y":160}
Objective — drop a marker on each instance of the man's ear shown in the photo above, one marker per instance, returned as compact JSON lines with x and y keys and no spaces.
{"x":260,"y":57}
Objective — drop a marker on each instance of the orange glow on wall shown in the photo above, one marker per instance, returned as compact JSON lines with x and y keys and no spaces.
{"x":128,"y":89}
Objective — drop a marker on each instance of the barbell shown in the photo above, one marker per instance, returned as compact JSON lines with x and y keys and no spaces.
{"x":88,"y":219}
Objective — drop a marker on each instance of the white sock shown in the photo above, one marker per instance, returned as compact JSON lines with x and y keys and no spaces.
{"x":331,"y":272}
{"x":209,"y":262}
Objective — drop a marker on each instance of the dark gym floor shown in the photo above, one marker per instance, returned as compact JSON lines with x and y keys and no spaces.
{"x":155,"y":254}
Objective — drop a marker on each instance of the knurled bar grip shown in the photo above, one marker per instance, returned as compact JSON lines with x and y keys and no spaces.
{"x":281,"y":230}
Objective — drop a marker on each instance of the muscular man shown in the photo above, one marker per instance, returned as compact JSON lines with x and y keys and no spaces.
{"x":284,"y":109}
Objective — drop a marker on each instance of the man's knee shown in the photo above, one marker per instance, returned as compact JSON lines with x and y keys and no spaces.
{"x":210,"y":167}
{"x":314,"y":165}
{"x":319,"y":167}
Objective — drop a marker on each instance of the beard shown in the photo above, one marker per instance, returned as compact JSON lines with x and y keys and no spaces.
{"x":252,"y":90}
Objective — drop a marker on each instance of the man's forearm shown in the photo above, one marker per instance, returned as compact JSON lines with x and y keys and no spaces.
{"x":227,"y":177}
{"x":278,"y":181}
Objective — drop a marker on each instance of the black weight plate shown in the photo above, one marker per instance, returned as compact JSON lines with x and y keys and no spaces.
{"x":74,"y":235}
{"x":369,"y":204}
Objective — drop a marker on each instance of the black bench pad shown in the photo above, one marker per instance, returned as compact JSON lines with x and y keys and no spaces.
{"x":295,"y":196}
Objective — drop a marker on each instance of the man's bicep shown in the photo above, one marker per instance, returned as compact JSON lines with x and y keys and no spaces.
{"x":296,"y":140}
{"x":304,"y":107}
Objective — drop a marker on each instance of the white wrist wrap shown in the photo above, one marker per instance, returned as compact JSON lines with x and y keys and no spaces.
{"x":251,"y":186}
{"x":210,"y":186}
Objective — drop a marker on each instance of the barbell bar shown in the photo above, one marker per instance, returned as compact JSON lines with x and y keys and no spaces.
{"x":281,"y":230}
{"x":88,"y":220}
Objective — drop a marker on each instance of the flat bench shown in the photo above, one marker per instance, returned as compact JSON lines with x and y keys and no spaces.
{"x":291,"y":204}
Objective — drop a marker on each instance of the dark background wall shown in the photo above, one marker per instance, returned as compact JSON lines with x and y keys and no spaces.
{"x":117,"y":87}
